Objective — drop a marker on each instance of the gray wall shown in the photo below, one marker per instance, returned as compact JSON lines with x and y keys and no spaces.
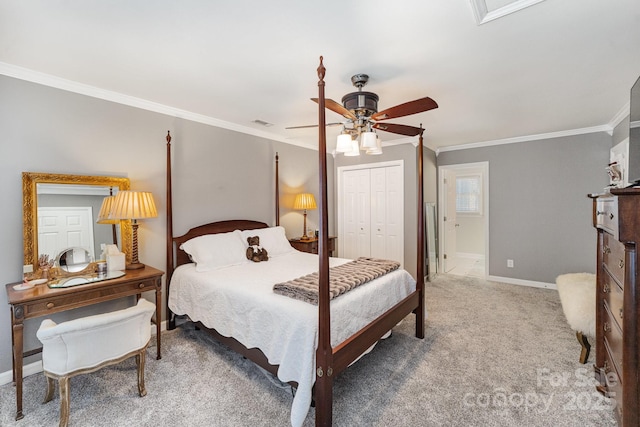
{"x":407,"y":153}
{"x":218,"y":174}
{"x":539,"y":213}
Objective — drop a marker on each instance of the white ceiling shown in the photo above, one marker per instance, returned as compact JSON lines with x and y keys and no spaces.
{"x":556,"y":66}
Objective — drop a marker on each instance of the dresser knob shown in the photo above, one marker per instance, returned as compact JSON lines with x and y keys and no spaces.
{"x":606,"y":288}
{"x":620,"y":313}
{"x":621,"y":263}
{"x":141,"y":285}
{"x":606,"y":327}
{"x":50,"y":305}
{"x":606,"y":367}
{"x":611,"y":216}
{"x":606,"y":250}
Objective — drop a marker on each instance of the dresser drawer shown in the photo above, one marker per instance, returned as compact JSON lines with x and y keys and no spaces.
{"x":612,"y":337}
{"x":606,"y":215}
{"x":613,"y":296}
{"x":613,"y":381}
{"x":613,"y":255}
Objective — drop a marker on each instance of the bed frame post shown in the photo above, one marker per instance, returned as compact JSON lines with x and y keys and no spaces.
{"x":277,"y":191}
{"x":324,"y":353}
{"x":171,"y":321}
{"x":420,"y":265}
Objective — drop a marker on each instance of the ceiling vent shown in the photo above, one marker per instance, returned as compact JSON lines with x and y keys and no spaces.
{"x":488,"y":10}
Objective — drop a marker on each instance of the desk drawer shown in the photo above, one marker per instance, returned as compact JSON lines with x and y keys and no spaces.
{"x":613,"y":257}
{"x":86,"y":296}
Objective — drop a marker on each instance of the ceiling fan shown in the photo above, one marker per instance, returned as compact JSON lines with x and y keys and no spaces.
{"x":360,"y":109}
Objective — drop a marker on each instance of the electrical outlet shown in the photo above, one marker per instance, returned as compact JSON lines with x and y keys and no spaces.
{"x":509,"y":263}
{"x":27,"y":269}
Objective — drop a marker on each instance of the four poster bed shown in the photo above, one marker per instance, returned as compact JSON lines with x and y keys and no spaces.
{"x":304,"y":344}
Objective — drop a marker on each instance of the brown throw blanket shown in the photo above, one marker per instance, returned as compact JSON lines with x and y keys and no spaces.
{"x":342,"y":278}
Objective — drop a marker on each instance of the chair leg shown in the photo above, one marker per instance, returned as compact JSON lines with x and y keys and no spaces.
{"x":63,"y":382}
{"x":50,"y":389}
{"x":140,"y":361}
{"x":586,"y":347}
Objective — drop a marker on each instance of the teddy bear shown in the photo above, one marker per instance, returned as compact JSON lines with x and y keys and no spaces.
{"x":255,"y":252}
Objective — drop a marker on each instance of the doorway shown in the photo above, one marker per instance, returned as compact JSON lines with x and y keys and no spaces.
{"x":463,"y":217}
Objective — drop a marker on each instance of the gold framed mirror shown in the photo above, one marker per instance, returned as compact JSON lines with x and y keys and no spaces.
{"x":33,"y":182}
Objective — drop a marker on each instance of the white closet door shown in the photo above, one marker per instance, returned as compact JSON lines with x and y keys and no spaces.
{"x":373,"y":213}
{"x":394,"y":224}
{"x":378,"y":213}
{"x":356,"y":220}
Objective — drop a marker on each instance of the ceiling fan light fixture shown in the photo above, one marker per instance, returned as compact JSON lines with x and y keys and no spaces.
{"x":354,"y":151}
{"x":368,"y":140}
{"x":377,"y":150}
{"x":344,"y":143}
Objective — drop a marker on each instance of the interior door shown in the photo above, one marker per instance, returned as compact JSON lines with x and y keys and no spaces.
{"x":60,"y":228}
{"x":449,"y":258}
{"x":372,"y":213}
{"x":356,"y":214}
{"x":378,"y":212}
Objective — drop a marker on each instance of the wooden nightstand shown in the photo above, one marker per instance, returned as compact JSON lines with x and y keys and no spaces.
{"x":311,"y":245}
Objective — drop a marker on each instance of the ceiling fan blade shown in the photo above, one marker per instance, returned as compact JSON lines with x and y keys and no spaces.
{"x":314,"y":126}
{"x":406,"y":109}
{"x":399,"y":129}
{"x":337,"y":108}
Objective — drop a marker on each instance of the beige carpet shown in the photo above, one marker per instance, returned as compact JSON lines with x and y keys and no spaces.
{"x":494,"y":355}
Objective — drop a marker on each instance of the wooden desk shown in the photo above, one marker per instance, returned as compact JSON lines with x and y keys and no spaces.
{"x":311,"y":245}
{"x":42,"y":301}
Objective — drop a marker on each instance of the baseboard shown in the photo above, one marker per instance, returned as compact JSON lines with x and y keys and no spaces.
{"x":469,"y":255}
{"x":520,"y":282}
{"x":36,"y":367}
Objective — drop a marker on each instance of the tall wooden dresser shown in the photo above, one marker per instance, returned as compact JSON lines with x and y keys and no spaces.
{"x":616,"y":217}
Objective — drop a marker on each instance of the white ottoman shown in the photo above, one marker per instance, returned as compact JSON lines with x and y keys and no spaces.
{"x":87,"y":344}
{"x":578,"y":297}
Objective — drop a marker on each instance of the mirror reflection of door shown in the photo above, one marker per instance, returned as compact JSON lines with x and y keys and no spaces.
{"x":450,"y":224}
{"x":64,"y":227}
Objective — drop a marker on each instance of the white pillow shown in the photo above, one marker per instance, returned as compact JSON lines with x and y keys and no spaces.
{"x":214,"y":251}
{"x":273,"y":239}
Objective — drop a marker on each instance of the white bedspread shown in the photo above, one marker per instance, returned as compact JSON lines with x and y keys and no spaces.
{"x":239,"y":302}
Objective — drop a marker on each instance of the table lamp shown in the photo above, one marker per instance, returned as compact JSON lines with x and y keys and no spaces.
{"x":103,"y":216}
{"x":304,"y":201}
{"x":133,"y":205}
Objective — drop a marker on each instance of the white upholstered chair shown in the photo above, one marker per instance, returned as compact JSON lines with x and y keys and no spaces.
{"x":87,"y":344}
{"x":578,"y":297}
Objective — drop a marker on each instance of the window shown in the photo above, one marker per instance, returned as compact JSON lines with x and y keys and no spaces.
{"x":469,"y":194}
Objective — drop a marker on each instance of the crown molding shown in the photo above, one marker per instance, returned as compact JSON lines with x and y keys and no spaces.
{"x":32,"y":76}
{"x":482,"y":14}
{"x":621,"y":115}
{"x":602,"y":128}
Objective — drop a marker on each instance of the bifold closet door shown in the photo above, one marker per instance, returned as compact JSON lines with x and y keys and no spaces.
{"x":373,"y":210}
{"x":357,"y":213}
{"x":386,"y":213}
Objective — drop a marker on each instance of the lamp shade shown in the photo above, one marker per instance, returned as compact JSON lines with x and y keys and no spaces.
{"x":378,"y":148}
{"x":105,"y":209}
{"x":133,"y":205}
{"x":344,"y":143}
{"x":355,"y":150}
{"x":304,"y":201}
{"x":368,"y":140}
